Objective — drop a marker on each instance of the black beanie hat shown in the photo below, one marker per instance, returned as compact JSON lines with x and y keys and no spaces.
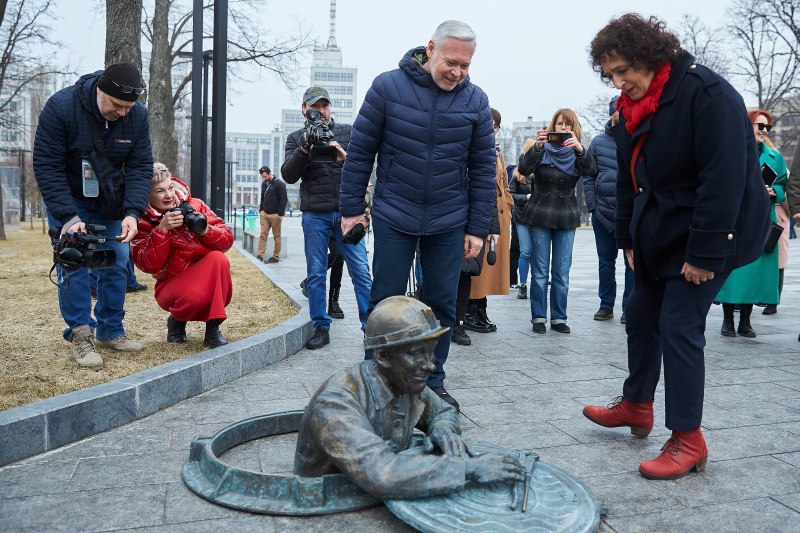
{"x":121,"y":80}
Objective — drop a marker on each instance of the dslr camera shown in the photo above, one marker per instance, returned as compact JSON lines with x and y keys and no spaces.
{"x":194,"y":221}
{"x":80,"y":250}
{"x":556,"y":137}
{"x":319,"y":137}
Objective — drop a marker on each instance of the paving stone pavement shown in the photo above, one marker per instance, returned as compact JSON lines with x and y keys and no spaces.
{"x":517,"y":389}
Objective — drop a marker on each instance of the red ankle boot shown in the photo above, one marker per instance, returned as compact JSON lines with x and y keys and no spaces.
{"x":622,"y":412}
{"x":684,"y":451}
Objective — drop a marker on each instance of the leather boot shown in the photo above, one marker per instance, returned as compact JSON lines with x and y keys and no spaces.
{"x":622,"y":412}
{"x":334,"y":311}
{"x":176,"y":330}
{"x":459,"y":335}
{"x":745,"y":329}
{"x":214,"y":337}
{"x":684,"y":451}
{"x":472,"y":321}
{"x":481,"y":310}
{"x":728,"y":327}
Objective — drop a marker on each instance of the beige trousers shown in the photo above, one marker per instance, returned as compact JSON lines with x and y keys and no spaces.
{"x":270,"y":222}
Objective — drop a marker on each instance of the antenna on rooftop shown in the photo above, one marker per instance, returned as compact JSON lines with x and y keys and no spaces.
{"x":332,"y":38}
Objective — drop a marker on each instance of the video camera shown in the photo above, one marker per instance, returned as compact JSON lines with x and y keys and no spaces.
{"x":80,"y":249}
{"x":319,"y":138}
{"x":194,"y":221}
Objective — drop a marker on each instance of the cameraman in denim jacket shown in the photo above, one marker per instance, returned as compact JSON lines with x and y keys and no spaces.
{"x":82,"y":186}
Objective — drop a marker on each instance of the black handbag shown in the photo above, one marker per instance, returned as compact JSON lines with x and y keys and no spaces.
{"x":773,"y":236}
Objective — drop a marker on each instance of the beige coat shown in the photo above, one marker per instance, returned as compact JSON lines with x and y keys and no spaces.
{"x":495,"y":279}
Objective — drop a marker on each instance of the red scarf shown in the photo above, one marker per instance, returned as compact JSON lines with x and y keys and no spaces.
{"x":636,"y":111}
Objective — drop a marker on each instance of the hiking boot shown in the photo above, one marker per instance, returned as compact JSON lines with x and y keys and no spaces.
{"x":176,"y":330}
{"x":334,"y":311}
{"x":83,"y":351}
{"x":604,"y":313}
{"x":460,"y":336}
{"x":560,"y":327}
{"x":443,"y":394}
{"x":214,"y":336}
{"x":522,"y":291}
{"x":621,"y":412}
{"x":120,"y":344}
{"x":321,"y":338}
{"x":684,"y":451}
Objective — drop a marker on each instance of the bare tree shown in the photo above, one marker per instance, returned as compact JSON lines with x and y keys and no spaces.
{"x":594,"y":115}
{"x":123,"y":32}
{"x":704,"y":43}
{"x":169,"y":30}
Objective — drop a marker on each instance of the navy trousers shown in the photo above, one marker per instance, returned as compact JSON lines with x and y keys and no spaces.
{"x":666,"y":319}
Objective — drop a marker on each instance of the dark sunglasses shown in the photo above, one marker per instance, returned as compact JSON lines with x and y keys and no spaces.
{"x":127,"y":89}
{"x":762,"y":127}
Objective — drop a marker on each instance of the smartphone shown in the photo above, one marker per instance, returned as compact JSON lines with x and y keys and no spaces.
{"x":557,"y":137}
{"x":768,"y":174}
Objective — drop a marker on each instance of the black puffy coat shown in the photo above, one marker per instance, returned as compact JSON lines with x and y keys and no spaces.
{"x":600,"y":191}
{"x":519,"y":192}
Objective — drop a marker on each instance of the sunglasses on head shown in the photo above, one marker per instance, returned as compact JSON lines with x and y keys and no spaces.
{"x":762,"y":127}
{"x":127,"y":89}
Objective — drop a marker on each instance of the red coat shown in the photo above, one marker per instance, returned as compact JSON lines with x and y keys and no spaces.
{"x":165,"y":254}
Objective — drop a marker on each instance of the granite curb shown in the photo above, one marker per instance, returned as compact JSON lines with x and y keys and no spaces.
{"x":51,"y":423}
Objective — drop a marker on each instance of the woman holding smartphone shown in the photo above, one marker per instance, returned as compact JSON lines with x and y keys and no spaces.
{"x":557,"y":159}
{"x":757,"y":282}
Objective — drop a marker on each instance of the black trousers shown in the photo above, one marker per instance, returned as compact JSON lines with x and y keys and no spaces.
{"x":666,"y":319}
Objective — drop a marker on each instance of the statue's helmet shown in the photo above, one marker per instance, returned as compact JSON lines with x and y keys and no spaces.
{"x":399,"y":320}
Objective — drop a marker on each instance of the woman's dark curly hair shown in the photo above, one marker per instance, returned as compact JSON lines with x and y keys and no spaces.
{"x":644,"y":42}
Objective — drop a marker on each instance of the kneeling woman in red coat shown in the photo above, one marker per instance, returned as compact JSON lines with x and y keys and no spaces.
{"x":185,"y":252}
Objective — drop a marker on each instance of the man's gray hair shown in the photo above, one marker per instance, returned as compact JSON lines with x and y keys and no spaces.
{"x":453,"y":29}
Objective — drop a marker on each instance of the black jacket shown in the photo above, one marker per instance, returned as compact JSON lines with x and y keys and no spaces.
{"x":600,"y":191}
{"x":319,"y":188}
{"x":699,"y":198}
{"x":519,"y":192}
{"x":273,"y":197}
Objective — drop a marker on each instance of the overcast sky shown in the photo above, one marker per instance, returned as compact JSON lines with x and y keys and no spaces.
{"x":531,"y":57}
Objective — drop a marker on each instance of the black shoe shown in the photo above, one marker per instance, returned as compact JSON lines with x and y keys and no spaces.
{"x":334,"y":311}
{"x":539,"y":327}
{"x":473,"y":323}
{"x":136,"y":288}
{"x":459,"y":336}
{"x":176,"y":330}
{"x":770,"y":310}
{"x":321,"y":338}
{"x":272,"y":260}
{"x":213,"y":336}
{"x":484,"y":318}
{"x":604,"y":313}
{"x":727,"y":329}
{"x":304,"y":287}
{"x":622,"y":318}
{"x":522,"y":291}
{"x":561,"y":327}
{"x":441,"y":393}
{"x":260,"y":257}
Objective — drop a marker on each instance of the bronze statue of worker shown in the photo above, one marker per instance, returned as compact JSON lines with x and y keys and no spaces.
{"x":362,"y":417}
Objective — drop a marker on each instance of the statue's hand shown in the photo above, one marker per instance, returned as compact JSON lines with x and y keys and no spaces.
{"x":446,"y":440}
{"x":492,"y":467}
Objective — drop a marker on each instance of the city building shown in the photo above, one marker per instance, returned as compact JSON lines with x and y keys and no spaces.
{"x":245,"y":153}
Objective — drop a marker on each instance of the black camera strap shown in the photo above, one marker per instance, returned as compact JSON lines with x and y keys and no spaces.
{"x":106,"y":168}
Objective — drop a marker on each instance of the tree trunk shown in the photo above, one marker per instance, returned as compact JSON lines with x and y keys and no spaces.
{"x":2,"y":10}
{"x":161,"y":108}
{"x":124,"y":32}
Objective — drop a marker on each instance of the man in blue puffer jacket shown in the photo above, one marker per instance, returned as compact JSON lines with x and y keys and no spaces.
{"x":81,"y":187}
{"x":432,"y":132}
{"x":601,"y":201}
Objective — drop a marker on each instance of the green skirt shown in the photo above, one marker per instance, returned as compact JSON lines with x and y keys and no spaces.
{"x":755,"y":283}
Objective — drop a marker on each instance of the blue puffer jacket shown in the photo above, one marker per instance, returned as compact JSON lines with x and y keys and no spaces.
{"x":436,"y":154}
{"x":64,"y":137}
{"x":601,"y":191}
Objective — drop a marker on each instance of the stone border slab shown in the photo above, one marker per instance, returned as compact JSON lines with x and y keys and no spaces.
{"x":48,"y":424}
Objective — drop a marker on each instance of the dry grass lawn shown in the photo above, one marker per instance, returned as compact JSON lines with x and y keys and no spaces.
{"x":36,"y":360}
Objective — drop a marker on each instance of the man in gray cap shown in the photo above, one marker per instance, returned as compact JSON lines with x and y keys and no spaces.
{"x":362,"y":417}
{"x":319,"y":201}
{"x":94,"y":166}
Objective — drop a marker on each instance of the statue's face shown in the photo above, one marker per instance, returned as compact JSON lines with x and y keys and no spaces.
{"x":407,"y":368}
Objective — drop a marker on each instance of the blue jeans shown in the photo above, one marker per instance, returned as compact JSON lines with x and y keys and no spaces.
{"x":317,"y":230}
{"x":607,"y":260}
{"x":440,"y":258}
{"x":525,"y":235}
{"x":561,"y":242}
{"x":74,"y":300}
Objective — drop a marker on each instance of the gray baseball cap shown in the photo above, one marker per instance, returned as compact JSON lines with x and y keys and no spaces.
{"x":313,"y":94}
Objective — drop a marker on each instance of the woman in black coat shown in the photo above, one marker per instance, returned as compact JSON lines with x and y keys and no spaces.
{"x":691,"y":207}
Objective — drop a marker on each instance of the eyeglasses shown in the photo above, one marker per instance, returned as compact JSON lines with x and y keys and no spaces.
{"x":762,"y":127}
{"x":127,"y":89}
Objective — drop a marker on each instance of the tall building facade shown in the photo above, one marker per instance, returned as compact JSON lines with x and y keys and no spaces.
{"x":247,"y":152}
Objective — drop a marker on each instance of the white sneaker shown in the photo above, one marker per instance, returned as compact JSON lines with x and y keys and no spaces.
{"x":121,"y":344}
{"x":83,"y":351}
